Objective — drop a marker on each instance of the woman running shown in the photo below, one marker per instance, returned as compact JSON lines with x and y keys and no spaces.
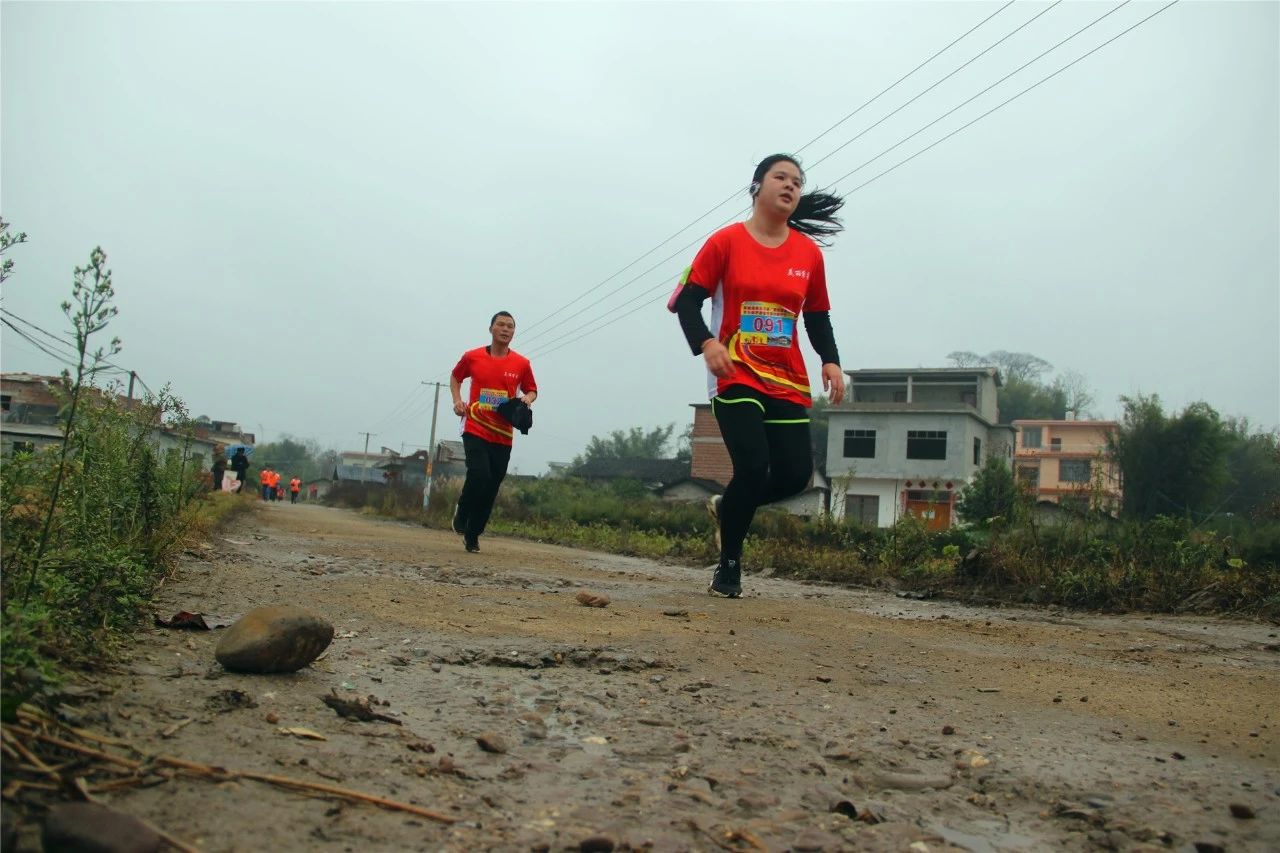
{"x":762,"y":275}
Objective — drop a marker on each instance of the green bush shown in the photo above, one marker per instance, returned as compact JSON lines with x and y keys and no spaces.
{"x":122,"y":514}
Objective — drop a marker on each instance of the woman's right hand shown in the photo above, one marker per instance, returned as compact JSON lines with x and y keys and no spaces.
{"x":718,"y":361}
{"x":459,"y":408}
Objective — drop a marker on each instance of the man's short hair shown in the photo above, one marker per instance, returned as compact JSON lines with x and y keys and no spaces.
{"x":495,"y":317}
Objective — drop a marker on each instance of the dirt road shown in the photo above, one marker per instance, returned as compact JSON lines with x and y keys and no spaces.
{"x":798,"y":717}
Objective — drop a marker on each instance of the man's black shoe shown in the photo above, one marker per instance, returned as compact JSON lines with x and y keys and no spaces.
{"x":473,"y":544}
{"x":458,"y":527}
{"x":727,"y":581}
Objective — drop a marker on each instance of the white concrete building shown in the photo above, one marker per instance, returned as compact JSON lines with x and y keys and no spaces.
{"x":908,"y":441}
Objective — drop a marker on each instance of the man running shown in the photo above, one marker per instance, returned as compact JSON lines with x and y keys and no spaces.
{"x":497,"y":373}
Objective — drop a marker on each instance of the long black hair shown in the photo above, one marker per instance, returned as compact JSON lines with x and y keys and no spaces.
{"x":815,"y":214}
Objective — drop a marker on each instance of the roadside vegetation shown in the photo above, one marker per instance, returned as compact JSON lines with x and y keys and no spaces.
{"x":93,"y":523}
{"x":1165,"y":564}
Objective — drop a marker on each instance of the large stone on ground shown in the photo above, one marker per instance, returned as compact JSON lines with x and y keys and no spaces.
{"x":274,"y":639}
{"x":94,"y":828}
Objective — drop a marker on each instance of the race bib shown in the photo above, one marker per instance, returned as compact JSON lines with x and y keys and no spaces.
{"x":766,"y":324}
{"x":491,"y":398}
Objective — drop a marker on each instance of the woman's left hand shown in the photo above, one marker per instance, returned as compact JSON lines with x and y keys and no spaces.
{"x":833,"y":383}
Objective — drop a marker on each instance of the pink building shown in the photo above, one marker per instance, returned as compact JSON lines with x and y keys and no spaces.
{"x":1067,"y":462}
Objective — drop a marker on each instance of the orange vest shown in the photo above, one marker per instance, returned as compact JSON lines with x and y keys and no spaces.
{"x":295,"y":484}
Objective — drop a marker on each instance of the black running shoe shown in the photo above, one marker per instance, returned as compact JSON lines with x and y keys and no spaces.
{"x":727,"y":581}
{"x":458,"y":527}
{"x":473,"y":544}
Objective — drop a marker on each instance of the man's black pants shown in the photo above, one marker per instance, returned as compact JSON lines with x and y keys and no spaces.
{"x":486,"y":468}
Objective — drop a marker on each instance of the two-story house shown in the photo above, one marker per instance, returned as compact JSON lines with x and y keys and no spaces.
{"x":1067,"y":463}
{"x":908,"y":441}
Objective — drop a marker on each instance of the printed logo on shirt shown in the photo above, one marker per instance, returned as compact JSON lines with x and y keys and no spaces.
{"x":491,"y":398}
{"x":798,"y":273}
{"x":766,"y":324}
{"x":511,"y":375}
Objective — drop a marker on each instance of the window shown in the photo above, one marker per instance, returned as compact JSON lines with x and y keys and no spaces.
{"x":1029,"y":475}
{"x":863,"y":509}
{"x":969,"y":398}
{"x":860,"y":443}
{"x":1073,"y":470}
{"x":5,"y":400}
{"x":1055,"y":444}
{"x":899,"y":396}
{"x":977,"y":451}
{"x":1031,"y":437}
{"x":926,"y":444}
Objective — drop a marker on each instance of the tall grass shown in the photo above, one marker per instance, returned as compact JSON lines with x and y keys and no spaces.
{"x":122,"y":513}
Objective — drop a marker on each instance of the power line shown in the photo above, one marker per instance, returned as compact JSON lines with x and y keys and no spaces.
{"x":403,"y":404}
{"x":39,"y":345}
{"x":884,"y":91}
{"x":1010,"y":100}
{"x":822,"y":159}
{"x":942,"y":80}
{"x":1021,"y":67}
{"x":546,"y":352}
{"x":873,"y":159}
{"x":74,"y":349}
{"x":735,"y":193}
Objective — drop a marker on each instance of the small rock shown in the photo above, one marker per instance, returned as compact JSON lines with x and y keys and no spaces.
{"x":94,"y":828}
{"x":913,"y":781}
{"x":274,"y":639}
{"x":593,"y":599}
{"x":948,"y":730}
{"x":1209,"y":847}
{"x":1242,"y":811}
{"x":272,"y":717}
{"x":825,"y":679}
{"x":675,"y":612}
{"x":597,"y":844}
{"x":493,"y":742}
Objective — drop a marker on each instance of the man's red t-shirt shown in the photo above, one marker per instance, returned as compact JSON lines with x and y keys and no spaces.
{"x":758,"y":295}
{"x":493,"y":382}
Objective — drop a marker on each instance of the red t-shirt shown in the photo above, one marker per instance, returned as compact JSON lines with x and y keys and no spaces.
{"x":493,"y":381}
{"x":758,"y":295}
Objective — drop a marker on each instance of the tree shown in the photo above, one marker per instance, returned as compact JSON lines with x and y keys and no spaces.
{"x":1170,"y":465}
{"x":1021,"y":399}
{"x":992,"y":494}
{"x":1076,"y":394}
{"x":635,"y":443}
{"x":1025,"y":396}
{"x":300,"y":457}
{"x":1253,"y":471}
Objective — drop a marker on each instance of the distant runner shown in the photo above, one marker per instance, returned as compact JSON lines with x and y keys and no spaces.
{"x":498,"y":374}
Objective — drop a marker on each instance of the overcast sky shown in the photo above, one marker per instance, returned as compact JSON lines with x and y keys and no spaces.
{"x":310,"y":209}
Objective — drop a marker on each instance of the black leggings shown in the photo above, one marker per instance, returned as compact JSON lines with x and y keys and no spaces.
{"x":768,"y":442}
{"x":486,"y":468}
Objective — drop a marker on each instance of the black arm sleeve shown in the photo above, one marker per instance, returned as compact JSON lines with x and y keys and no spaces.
{"x":821,"y":336}
{"x":689,"y":310}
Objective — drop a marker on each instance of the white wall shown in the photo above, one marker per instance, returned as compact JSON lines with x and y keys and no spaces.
{"x":885,"y":490}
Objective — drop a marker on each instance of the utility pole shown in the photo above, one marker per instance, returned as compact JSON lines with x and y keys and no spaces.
{"x":431,"y":444}
{"x":132,"y":376}
{"x":366,"y":448}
